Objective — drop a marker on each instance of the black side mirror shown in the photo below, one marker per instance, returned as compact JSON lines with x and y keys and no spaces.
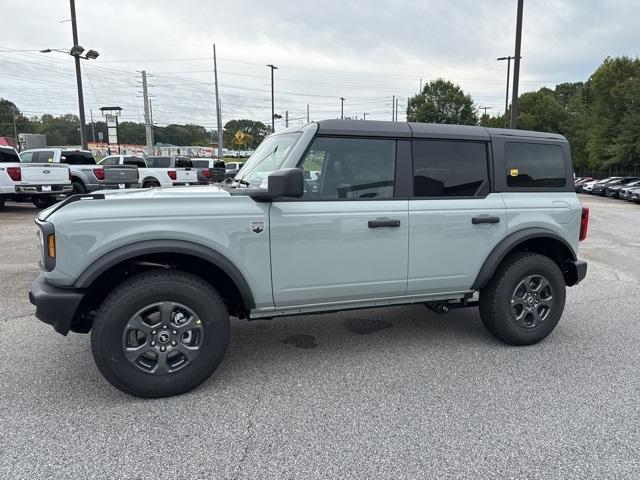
{"x":288,"y":182}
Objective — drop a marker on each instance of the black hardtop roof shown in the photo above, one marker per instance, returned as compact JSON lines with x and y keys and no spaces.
{"x":422,"y":130}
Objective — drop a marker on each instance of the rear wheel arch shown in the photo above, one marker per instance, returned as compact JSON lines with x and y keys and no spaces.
{"x":150,"y":180}
{"x":538,"y":240}
{"x":103,"y":275}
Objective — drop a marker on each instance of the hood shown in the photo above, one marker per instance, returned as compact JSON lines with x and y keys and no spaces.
{"x":141,"y":194}
{"x":168,"y":192}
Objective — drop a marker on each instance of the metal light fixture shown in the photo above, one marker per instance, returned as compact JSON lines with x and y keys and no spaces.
{"x":76,"y":50}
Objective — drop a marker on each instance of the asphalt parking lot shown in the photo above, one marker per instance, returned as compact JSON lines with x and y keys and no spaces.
{"x":388,"y":393}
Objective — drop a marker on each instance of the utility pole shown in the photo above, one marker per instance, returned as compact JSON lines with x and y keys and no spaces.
{"x":393,"y":109}
{"x":76,"y":57}
{"x":485,"y":110}
{"x":506,"y":101}
{"x":273,"y":112}
{"x":420,"y":91}
{"x":397,"y":108}
{"x":364,"y":116}
{"x":147,"y":117}
{"x":218,"y":108}
{"x":516,"y":66}
{"x":93,"y":130}
{"x":15,"y":128}
{"x":341,"y":107}
{"x":286,"y":119}
{"x":307,"y":113}
{"x":151,"y":119}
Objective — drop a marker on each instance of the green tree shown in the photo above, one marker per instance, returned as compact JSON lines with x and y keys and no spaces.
{"x":255,"y":132}
{"x":8,"y":110}
{"x":61,"y":130}
{"x":131,"y":132}
{"x":442,"y":102}
{"x":611,"y":113}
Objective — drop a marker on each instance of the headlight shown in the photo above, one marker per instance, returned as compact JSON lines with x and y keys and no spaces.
{"x":46,"y":240}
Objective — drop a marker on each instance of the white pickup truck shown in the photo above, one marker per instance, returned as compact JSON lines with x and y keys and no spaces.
{"x":39,"y":183}
{"x":158,"y":171}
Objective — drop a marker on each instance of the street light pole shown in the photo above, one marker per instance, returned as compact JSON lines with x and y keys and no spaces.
{"x":516,"y":66}
{"x":273,"y":112}
{"x":341,"y":107}
{"x":76,"y":57}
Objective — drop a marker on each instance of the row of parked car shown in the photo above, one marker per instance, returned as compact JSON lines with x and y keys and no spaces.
{"x":625,"y":188}
{"x":41,"y":176}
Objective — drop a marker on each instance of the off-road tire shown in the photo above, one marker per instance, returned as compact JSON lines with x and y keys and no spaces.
{"x":495,"y":299}
{"x":136,"y":293}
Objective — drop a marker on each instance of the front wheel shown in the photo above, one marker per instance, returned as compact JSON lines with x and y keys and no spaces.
{"x":160,"y":333}
{"x":42,"y":201}
{"x":524,"y":300}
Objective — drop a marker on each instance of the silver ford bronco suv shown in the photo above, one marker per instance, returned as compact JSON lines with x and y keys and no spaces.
{"x":333,"y":215}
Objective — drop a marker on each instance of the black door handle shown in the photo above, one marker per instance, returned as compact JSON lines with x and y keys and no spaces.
{"x":485,"y":219}
{"x":384,"y":223}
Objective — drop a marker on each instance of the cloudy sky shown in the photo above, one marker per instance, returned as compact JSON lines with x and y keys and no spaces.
{"x":365,"y":51}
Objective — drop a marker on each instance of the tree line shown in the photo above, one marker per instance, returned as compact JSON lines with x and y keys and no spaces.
{"x":600,"y":117}
{"x":64,"y":130}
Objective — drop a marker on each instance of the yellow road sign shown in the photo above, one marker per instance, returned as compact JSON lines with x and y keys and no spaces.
{"x":239,"y":136}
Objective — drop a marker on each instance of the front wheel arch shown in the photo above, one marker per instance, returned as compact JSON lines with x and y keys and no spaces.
{"x":107,"y":272}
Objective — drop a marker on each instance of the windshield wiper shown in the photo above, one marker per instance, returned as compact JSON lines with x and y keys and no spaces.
{"x":243,"y":182}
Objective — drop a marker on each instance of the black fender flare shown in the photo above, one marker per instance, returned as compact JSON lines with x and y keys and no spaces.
{"x":119,"y":255}
{"x":507,"y":244}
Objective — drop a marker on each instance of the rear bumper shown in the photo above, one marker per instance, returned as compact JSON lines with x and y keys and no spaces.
{"x":575,"y":271}
{"x":55,"y":306}
{"x":38,"y":189}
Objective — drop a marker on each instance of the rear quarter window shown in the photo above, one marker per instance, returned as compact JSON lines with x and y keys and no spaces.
{"x":535,"y":165}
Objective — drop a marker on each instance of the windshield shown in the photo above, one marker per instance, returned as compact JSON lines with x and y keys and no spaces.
{"x":268,"y":157}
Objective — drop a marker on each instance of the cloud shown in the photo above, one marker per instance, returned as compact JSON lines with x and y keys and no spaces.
{"x":366,"y":51}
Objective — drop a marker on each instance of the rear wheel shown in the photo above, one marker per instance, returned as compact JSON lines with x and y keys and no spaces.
{"x":43,"y":201}
{"x":151,"y":184}
{"x":160,"y":333}
{"x":78,"y":187}
{"x":524,"y":300}
{"x":2,"y":200}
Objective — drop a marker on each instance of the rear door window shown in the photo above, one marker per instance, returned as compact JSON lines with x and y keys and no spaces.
{"x":137,"y":161}
{"x":159,"y":162}
{"x":43,"y":156}
{"x":77,"y":158}
{"x":110,"y":161}
{"x":449,"y":168}
{"x":183,"y":163}
{"x":535,"y":165}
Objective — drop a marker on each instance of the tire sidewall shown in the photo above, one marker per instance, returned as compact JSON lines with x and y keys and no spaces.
{"x":78,"y":187}
{"x":108,"y":331}
{"x":546,"y":268}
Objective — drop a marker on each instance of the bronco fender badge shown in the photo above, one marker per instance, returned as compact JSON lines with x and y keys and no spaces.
{"x":256,"y":227}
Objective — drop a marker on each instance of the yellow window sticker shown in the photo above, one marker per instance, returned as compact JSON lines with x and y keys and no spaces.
{"x":513,"y":172}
